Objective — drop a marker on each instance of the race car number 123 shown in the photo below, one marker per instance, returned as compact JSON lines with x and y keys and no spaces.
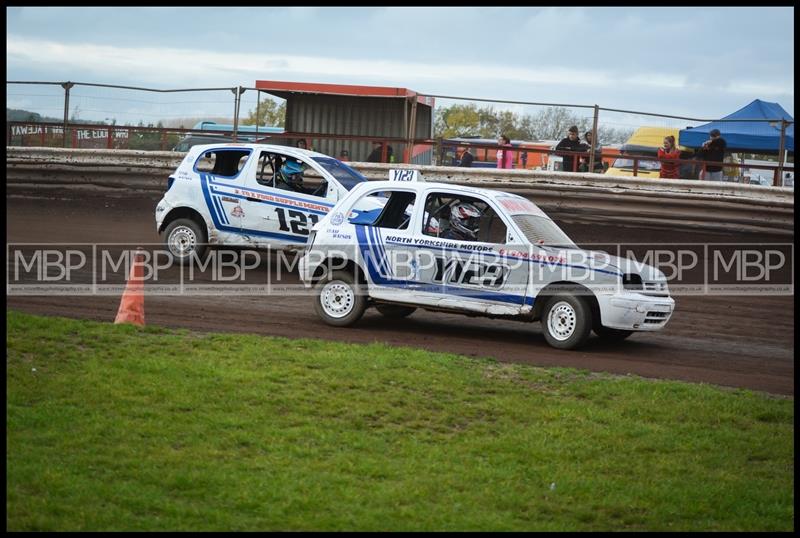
{"x":296,"y":221}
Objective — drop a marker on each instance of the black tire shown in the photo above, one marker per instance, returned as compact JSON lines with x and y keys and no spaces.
{"x":339,"y":299}
{"x":395,"y":311}
{"x":571,"y":323}
{"x":182,"y":237}
{"x":611,"y":335}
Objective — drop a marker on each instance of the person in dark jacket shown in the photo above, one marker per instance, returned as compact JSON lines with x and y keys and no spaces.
{"x":377,"y":153}
{"x":598,"y":155}
{"x":571,"y":143}
{"x":713,"y":150}
{"x":466,"y":159}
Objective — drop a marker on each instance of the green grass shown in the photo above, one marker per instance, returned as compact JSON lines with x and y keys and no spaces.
{"x":120,"y":428}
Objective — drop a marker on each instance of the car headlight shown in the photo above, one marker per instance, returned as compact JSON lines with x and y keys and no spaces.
{"x":632,"y":281}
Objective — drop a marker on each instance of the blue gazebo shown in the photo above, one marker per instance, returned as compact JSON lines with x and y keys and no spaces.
{"x":746,"y":136}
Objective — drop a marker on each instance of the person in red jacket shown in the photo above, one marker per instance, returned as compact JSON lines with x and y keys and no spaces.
{"x":668,"y":154}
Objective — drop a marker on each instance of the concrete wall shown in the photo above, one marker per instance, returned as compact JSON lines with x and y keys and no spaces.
{"x":669,"y":204}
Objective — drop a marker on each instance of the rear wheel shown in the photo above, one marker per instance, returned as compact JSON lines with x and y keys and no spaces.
{"x":566,"y":321}
{"x":339,"y":301}
{"x":185,"y":240}
{"x":611,"y":335}
{"x":395,"y":311}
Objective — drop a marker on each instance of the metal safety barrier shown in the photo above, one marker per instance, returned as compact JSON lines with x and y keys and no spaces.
{"x":586,"y":197}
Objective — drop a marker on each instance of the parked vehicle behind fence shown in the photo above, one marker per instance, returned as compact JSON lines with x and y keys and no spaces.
{"x":244,"y":133}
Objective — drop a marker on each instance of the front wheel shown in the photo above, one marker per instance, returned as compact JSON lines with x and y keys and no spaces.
{"x":566,"y":321}
{"x":395,"y":311}
{"x":611,"y":335}
{"x":339,"y":301}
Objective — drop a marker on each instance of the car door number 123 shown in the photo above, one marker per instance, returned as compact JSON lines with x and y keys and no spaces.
{"x":295,"y":221}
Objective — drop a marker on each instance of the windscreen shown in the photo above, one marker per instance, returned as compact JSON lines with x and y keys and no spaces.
{"x":643,"y":165}
{"x":345,"y":175}
{"x":542,"y":231}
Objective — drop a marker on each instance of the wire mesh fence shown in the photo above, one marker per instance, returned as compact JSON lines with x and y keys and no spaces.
{"x":464,"y":130}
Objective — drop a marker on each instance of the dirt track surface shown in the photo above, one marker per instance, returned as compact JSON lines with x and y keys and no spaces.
{"x":732,"y":341}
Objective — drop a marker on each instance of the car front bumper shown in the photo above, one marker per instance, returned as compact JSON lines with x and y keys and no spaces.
{"x":305,"y":270}
{"x":635,"y":311}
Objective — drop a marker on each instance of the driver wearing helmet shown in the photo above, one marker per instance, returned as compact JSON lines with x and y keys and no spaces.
{"x":290,"y":177}
{"x":464,"y":222}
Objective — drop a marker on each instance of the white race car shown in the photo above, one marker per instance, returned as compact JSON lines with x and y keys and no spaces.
{"x":254,"y":195}
{"x":478,"y":252}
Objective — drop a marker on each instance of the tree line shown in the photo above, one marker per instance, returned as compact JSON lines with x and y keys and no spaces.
{"x":469,"y":120}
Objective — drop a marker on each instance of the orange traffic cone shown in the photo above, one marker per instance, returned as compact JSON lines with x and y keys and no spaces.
{"x":131,"y":308}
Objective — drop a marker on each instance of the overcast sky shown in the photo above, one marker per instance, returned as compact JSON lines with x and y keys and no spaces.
{"x":699,"y":62}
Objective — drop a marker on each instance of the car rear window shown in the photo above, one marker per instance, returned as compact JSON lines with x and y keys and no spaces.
{"x":222,"y":162}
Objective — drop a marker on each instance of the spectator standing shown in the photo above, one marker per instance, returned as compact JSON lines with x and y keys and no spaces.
{"x":598,"y":154}
{"x":504,"y":156}
{"x":466,"y":159}
{"x":713,"y":150}
{"x":344,"y":156}
{"x":570,"y":143}
{"x":667,"y":153}
{"x":375,"y":154}
{"x":301,"y":143}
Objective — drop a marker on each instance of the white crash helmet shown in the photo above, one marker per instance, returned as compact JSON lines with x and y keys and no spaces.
{"x":465,"y":219}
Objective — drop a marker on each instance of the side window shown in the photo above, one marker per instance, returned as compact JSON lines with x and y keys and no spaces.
{"x":223,"y":163}
{"x":393,"y":210}
{"x":492,"y":228}
{"x":206,"y":162}
{"x":464,"y":218}
{"x":290,"y":174}
{"x":314,"y":183}
{"x":268,"y":165}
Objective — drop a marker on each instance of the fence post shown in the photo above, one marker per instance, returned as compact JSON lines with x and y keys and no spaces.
{"x":237,"y":91}
{"x":258,"y":111}
{"x":594,"y":138}
{"x":778,"y":182}
{"x":412,"y":129}
{"x":66,"y":85}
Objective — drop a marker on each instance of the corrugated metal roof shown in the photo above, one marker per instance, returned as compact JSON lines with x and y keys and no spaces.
{"x":343,"y":109}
